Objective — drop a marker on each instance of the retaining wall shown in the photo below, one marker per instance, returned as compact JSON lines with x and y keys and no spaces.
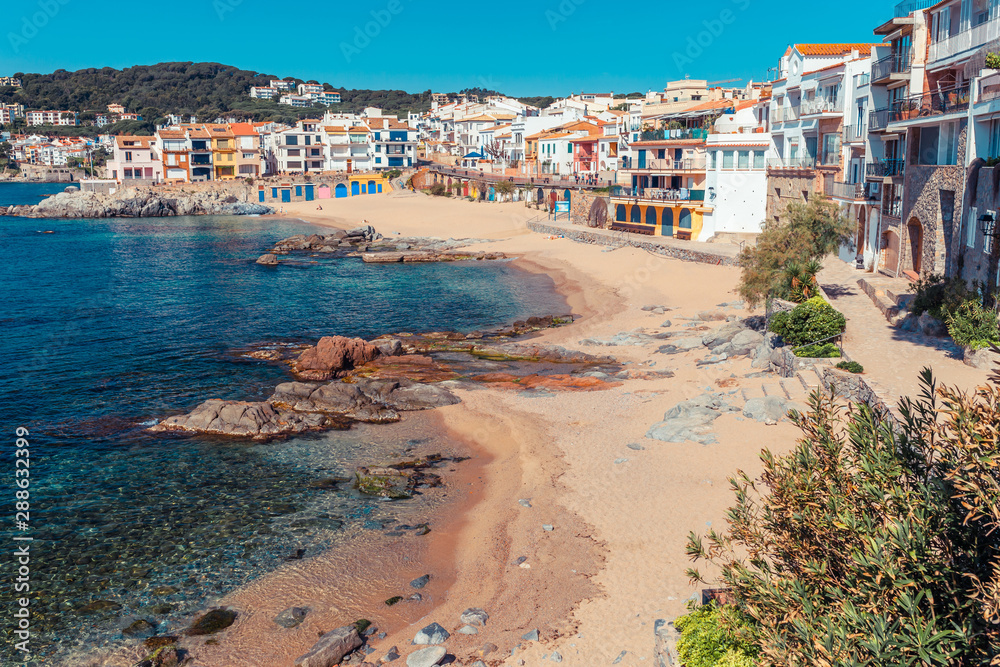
{"x":619,"y":241}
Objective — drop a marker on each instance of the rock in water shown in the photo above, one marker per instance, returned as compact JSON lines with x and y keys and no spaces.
{"x":291,"y":617}
{"x":474,"y":616}
{"x":214,"y":621}
{"x":139,"y":629}
{"x":268,"y":259}
{"x":426,"y":657}
{"x":420,"y":582}
{"x":331,"y":648}
{"x":334,"y":354}
{"x":432,"y":634}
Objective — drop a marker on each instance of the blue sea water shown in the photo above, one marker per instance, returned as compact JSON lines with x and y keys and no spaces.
{"x":109,"y":325}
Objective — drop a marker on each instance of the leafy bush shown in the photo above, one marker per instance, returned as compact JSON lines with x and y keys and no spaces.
{"x":393,"y":173}
{"x":974,"y":326}
{"x":993,"y":60}
{"x":808,"y":322}
{"x":851,"y":367}
{"x":821,"y":351}
{"x":798,"y":281}
{"x":439,"y":190}
{"x":714,"y":636}
{"x":940,"y":296}
{"x":872,"y":542}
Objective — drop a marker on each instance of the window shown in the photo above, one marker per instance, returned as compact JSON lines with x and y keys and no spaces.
{"x":171,"y":160}
{"x":291,"y":140}
{"x":758,"y":160}
{"x":994,"y":139}
{"x":727,"y":159}
{"x":948,"y":150}
{"x":744,"y":160}
{"x":928,"y":146}
{"x":569,"y":148}
{"x":711,"y":159}
{"x":128,"y":156}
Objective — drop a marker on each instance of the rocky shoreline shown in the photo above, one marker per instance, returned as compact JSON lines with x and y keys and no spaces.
{"x":373,"y":248}
{"x":135,"y":203}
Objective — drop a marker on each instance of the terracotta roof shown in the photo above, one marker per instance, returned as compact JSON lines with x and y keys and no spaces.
{"x":171,"y":134}
{"x":832,"y":49}
{"x":242,"y":129}
{"x":141,"y":142}
{"x":588,"y":139}
{"x":335,"y":129}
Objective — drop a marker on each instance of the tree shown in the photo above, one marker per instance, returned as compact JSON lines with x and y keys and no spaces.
{"x":813,"y":230}
{"x":872,"y":543}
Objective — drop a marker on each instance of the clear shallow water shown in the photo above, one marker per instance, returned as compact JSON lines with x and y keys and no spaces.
{"x":110,"y":324}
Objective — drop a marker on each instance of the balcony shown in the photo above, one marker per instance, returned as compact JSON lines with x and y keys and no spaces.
{"x":666,"y":135}
{"x":934,"y":103}
{"x":785,"y":114}
{"x":980,"y":34}
{"x":819,"y":105}
{"x":854,"y":191}
{"x":989,"y":88}
{"x":664,"y":165}
{"x":885,"y":167}
{"x":802,"y":162}
{"x":907,"y":7}
{"x":897,"y":63}
{"x":658,"y":194}
{"x":892,"y":207}
{"x":855,"y":134}
{"x":878,"y":120}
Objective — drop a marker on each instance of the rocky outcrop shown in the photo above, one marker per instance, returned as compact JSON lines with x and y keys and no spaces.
{"x":138,"y":203}
{"x":268,"y":259}
{"x":297,"y":407}
{"x":426,"y":256}
{"x":334,"y":355}
{"x":373,"y":248}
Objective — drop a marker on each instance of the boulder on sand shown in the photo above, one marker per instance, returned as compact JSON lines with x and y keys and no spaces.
{"x":333,"y":355}
{"x":331,"y":648}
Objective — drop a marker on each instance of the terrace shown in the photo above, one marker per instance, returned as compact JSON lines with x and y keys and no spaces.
{"x":895,"y":64}
{"x":934,"y":103}
{"x":657,"y":194}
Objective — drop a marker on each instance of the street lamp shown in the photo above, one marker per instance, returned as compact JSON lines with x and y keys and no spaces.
{"x":987,"y":223}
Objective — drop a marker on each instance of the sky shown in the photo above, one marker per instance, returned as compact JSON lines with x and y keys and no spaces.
{"x":543,"y":47}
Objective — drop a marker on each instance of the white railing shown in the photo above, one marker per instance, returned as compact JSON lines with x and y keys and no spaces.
{"x":819,"y":105}
{"x":965,"y":40}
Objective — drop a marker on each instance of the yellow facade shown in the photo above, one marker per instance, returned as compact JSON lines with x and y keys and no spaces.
{"x":660,"y":219}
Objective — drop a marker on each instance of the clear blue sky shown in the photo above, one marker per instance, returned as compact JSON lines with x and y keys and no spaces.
{"x":546,"y":47}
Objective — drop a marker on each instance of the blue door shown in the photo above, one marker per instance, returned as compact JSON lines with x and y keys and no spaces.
{"x":371,"y":187}
{"x":340,"y":191}
{"x":309,"y":192}
{"x":274,"y":193}
{"x":650,"y":216}
{"x":642,"y":158}
{"x":667,"y":222}
{"x":260,"y":195}
{"x":286,"y":195}
{"x":684,"y":222}
{"x":355,"y":188}
{"x":380,"y":187}
{"x":493,"y":194}
{"x":298,"y":190}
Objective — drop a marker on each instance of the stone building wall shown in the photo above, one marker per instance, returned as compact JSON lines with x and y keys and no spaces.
{"x":581,"y":204}
{"x":973,"y":263}
{"x":785,"y":187}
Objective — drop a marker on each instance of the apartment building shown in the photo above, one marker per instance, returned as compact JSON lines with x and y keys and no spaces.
{"x":52,"y":118}
{"x":135,"y":158}
{"x":393,"y":143}
{"x":263,"y":92}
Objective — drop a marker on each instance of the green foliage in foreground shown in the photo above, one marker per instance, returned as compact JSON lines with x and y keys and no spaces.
{"x":973,"y":326}
{"x":809,"y":322}
{"x":821,"y":351}
{"x":940,"y":296}
{"x":872,"y":543}
{"x":714,"y":636}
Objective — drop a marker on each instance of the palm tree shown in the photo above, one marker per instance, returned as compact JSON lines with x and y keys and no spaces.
{"x":799,"y":280}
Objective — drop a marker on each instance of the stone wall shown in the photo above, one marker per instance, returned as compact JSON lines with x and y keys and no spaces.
{"x":682,"y":253}
{"x":580,"y":206}
{"x":933,"y":196}
{"x":787,"y":186}
{"x":856,"y":389}
{"x":973,"y":263}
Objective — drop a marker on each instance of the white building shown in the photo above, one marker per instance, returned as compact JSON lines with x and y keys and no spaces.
{"x":263,"y":92}
{"x":735,"y":182}
{"x":295,"y":101}
{"x":283,"y":86}
{"x":307,"y":88}
{"x":52,"y":118}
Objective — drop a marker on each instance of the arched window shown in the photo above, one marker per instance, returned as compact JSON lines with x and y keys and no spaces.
{"x":620,"y":213}
{"x":650,"y":215}
{"x":635,"y":214}
{"x":667,"y":222}
{"x":684,"y":220}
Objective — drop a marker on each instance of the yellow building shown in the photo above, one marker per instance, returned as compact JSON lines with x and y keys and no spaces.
{"x":666,"y":194}
{"x":223,"y":151}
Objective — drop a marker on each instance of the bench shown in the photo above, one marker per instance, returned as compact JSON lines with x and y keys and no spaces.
{"x":683,"y":234}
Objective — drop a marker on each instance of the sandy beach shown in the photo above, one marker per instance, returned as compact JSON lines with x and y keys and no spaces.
{"x":613,"y":561}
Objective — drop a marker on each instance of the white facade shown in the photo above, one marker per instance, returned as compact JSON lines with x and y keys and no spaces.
{"x":736,"y":183}
{"x":263,"y":92}
{"x":51,"y":118}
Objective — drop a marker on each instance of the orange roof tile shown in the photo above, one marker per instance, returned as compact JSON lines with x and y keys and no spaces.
{"x":833,"y":49}
{"x":242,"y":129}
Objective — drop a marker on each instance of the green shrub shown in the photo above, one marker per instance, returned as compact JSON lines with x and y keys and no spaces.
{"x":940,"y":296}
{"x":851,"y":367}
{"x":714,"y":636}
{"x":809,"y":322}
{"x":993,"y":60}
{"x":974,"y":326}
{"x":439,"y":190}
{"x":821,"y":351}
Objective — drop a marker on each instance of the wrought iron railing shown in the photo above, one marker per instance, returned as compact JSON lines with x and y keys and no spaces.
{"x":878,"y":119}
{"x":897,"y":63}
{"x":932,"y":103}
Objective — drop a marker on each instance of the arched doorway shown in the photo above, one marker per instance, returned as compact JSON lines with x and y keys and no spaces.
{"x":540,"y":195}
{"x":566,"y":195}
{"x":620,"y":213}
{"x":684,"y":221}
{"x":371,"y":187}
{"x":355,"y":188}
{"x":552,"y":200}
{"x":650,"y":216}
{"x":915,"y":234}
{"x":340,"y":191}
{"x":635,"y":215}
{"x":667,"y":222}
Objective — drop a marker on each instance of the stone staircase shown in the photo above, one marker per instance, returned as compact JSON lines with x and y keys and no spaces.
{"x":797,"y":388}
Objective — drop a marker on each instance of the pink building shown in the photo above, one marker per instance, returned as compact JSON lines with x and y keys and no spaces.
{"x":135,"y":159}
